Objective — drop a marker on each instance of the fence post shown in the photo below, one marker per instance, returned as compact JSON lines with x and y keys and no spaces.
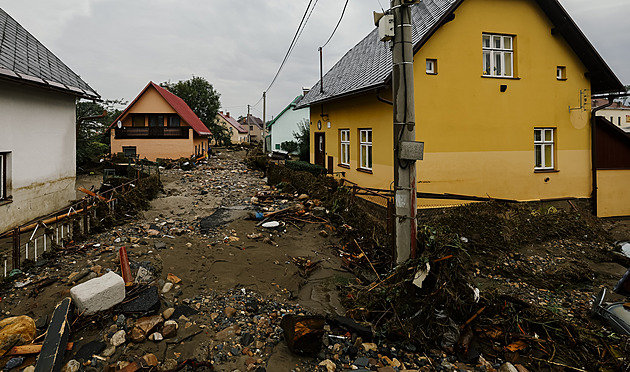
{"x":85,"y":217}
{"x":16,"y":248}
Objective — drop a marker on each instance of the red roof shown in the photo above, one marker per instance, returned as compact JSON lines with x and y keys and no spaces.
{"x":177,"y":104}
{"x":233,"y":123}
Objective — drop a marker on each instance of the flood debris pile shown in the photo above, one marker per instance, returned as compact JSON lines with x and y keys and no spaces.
{"x":355,"y":222}
{"x":501,"y":283}
{"x":128,"y":202}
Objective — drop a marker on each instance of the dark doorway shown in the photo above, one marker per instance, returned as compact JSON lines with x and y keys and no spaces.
{"x":320,"y":149}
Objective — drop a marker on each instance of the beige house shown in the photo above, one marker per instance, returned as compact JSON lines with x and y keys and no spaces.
{"x":254,"y":127}
{"x":617,"y":113}
{"x":237,"y":131}
{"x":158,"y":124}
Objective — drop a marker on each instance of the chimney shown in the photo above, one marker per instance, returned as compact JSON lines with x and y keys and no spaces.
{"x":228,"y":114}
{"x":221,"y":112}
{"x":305,"y":90}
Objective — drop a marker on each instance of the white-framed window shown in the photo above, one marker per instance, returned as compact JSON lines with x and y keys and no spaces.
{"x":431,"y":66}
{"x":543,"y":148}
{"x":344,"y":146}
{"x":498,"y":55}
{"x":3,"y":175}
{"x":561,"y":73}
{"x":365,"y":143}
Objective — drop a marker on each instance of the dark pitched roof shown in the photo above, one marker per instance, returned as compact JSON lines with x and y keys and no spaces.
{"x":23,"y":58}
{"x":252,"y":120}
{"x":369,"y":64}
{"x":178,"y":104}
{"x":289,"y":106}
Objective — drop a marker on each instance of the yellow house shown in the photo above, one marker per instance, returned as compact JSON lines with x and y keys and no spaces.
{"x":502,"y":100}
{"x":158,"y":124}
{"x":238,"y":134}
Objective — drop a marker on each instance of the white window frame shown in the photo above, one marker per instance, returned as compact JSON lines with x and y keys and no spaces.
{"x":344,"y":147}
{"x":365,"y":149}
{"x":544,"y":146}
{"x":3,"y":176}
{"x":561,"y":73}
{"x":498,"y":48}
{"x":431,"y":66}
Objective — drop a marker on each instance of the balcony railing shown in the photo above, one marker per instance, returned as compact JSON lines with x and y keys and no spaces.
{"x":152,"y":132}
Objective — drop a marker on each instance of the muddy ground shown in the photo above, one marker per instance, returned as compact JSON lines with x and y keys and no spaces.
{"x":200,"y":229}
{"x":217,"y":199}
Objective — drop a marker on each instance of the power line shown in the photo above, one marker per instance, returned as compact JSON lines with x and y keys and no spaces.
{"x":338,"y":23}
{"x":381,"y":5}
{"x":298,"y":32}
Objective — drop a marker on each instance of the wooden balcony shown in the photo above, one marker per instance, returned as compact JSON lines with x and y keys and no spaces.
{"x":152,"y":132}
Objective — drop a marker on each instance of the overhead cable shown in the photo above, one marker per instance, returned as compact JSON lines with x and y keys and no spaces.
{"x":338,"y":23}
{"x":298,"y":32}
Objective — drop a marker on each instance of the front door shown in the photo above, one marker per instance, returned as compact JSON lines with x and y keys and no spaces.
{"x":320,"y":149}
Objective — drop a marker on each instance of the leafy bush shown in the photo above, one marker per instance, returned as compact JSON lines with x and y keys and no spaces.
{"x":290,"y":146}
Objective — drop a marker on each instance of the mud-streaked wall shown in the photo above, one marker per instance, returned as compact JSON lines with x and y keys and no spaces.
{"x":37,"y":130}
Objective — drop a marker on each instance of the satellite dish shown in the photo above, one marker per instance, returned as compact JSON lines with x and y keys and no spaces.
{"x":119,"y":123}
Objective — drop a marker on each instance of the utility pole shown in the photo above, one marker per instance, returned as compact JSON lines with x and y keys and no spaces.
{"x":406,"y":149}
{"x":264,"y":122}
{"x":249,"y":139}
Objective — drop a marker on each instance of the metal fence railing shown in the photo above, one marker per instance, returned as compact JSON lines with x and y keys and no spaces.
{"x":31,"y":240}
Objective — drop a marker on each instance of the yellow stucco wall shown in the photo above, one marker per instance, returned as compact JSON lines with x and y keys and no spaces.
{"x":151,"y":102}
{"x":613,"y":194}
{"x":478,"y":140}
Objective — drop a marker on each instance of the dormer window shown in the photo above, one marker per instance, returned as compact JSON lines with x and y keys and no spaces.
{"x":498,"y":55}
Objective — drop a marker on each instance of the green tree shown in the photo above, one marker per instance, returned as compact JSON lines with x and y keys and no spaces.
{"x":303,"y":136}
{"x":203,"y":100}
{"x":92,"y":120}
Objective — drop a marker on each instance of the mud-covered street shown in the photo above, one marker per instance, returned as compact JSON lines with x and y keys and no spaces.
{"x":201,"y":230}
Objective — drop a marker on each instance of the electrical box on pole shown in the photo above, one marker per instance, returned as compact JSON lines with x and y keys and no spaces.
{"x":385,"y":27}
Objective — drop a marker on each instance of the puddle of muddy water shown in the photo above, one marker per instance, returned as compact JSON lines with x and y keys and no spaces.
{"x":320,"y":293}
{"x":221,"y":216}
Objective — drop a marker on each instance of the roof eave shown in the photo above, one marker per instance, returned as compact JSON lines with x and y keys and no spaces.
{"x":346,"y":94}
{"x":24,"y":79}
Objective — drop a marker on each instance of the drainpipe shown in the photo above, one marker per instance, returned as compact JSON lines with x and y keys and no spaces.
{"x":381,"y":99}
{"x":594,"y":149}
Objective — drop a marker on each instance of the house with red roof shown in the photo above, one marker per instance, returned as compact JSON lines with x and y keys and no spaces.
{"x":238,"y":133}
{"x":158,"y":124}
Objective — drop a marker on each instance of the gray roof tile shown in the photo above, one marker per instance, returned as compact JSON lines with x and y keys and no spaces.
{"x":24,"y":55}
{"x":369,"y":63}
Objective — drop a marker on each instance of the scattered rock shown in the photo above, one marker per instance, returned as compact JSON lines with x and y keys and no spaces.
{"x":167,"y":287}
{"x":156,"y":337}
{"x":72,"y":366}
{"x":228,"y":333}
{"x":119,"y":338}
{"x":329,"y":365}
{"x":168,"y":313}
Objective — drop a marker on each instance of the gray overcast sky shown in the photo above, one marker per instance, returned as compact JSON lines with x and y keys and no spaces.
{"x":118,"y":46}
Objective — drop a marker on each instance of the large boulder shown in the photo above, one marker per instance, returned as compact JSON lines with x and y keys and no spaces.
{"x":17,"y":330}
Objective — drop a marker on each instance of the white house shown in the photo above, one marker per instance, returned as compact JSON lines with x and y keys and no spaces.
{"x":617,"y":113}
{"x":38,"y":95}
{"x":281,"y":128}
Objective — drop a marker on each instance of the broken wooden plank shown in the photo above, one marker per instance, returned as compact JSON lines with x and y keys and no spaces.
{"x":84,"y":190}
{"x":32,"y":349}
{"x":54,"y":348}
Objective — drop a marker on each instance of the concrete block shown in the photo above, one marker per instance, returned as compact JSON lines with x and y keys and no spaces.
{"x":98,"y":294}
